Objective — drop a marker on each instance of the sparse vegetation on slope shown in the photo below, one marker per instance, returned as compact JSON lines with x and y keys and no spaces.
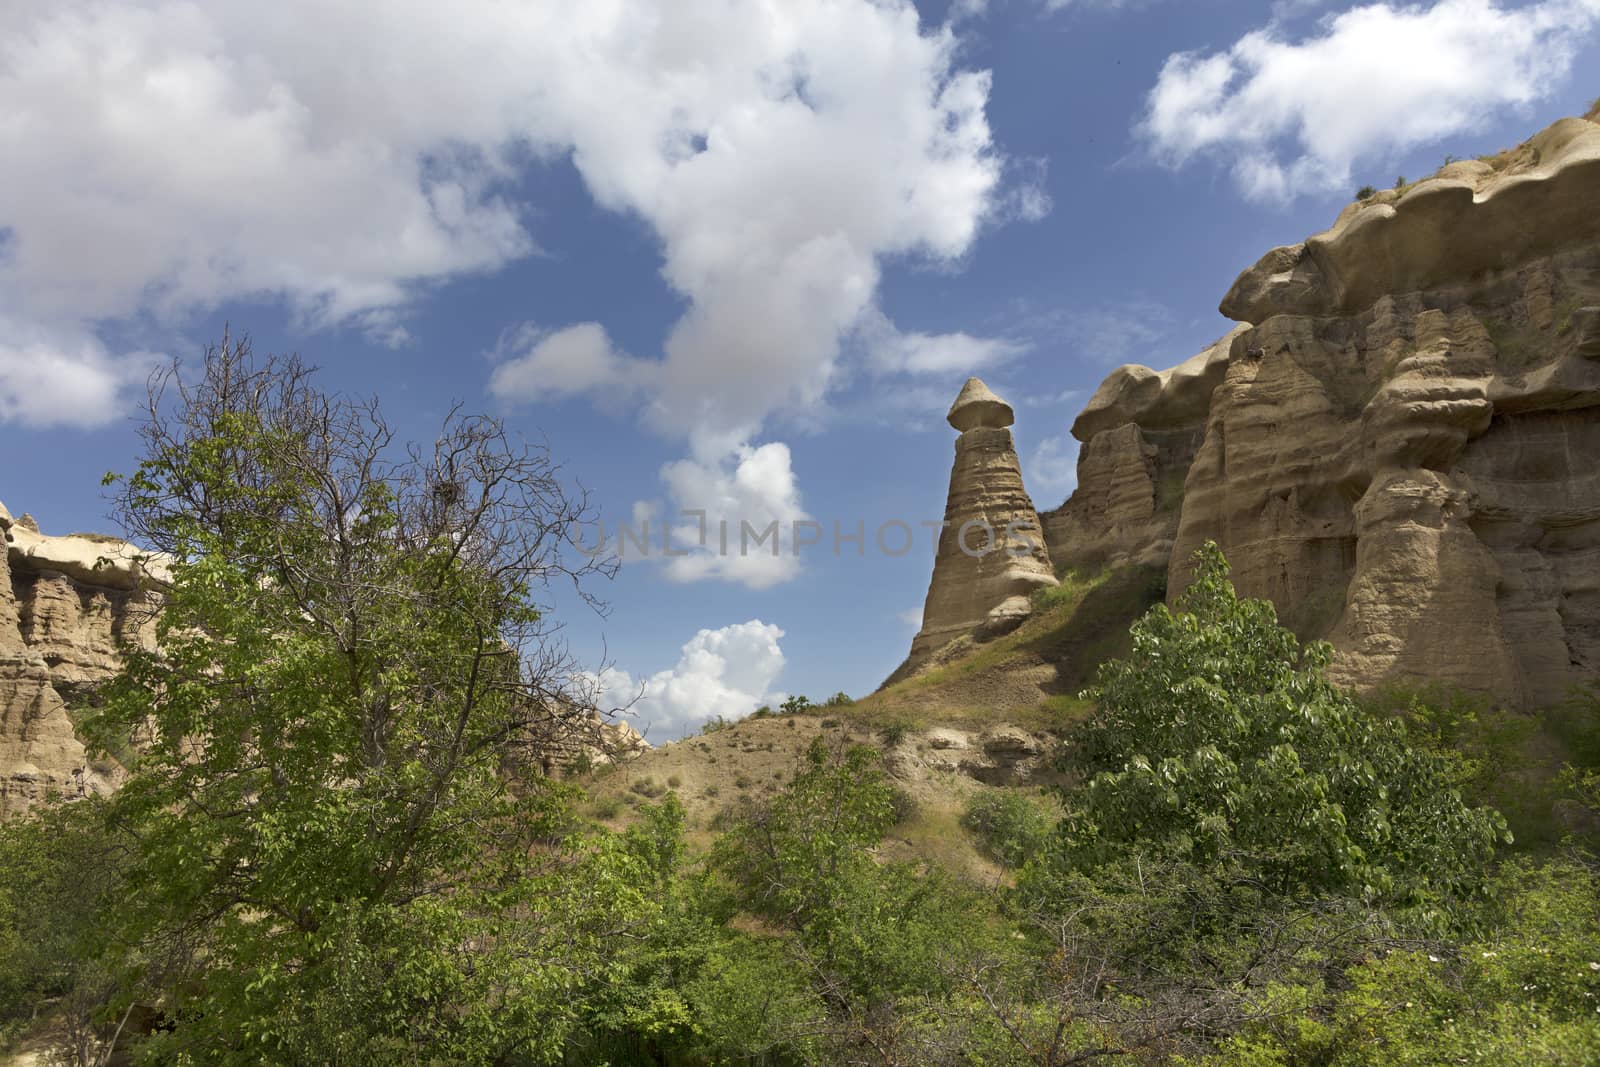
{"x":1031,"y":676}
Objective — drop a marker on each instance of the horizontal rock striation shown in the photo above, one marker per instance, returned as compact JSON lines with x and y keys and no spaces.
{"x":66,"y":605}
{"x":1400,"y":445}
{"x":991,"y":555}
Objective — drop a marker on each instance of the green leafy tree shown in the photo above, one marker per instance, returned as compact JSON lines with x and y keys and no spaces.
{"x":1220,"y":741}
{"x":885,"y":947}
{"x":58,"y":868}
{"x":340,"y":848}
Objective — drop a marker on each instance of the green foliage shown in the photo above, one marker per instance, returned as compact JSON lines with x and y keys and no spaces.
{"x":1528,"y":993}
{"x":647,"y":787}
{"x":796,"y":705}
{"x":1069,"y":589}
{"x":716,"y":725}
{"x":58,"y":868}
{"x":893,"y":734}
{"x":1220,"y":742}
{"x":1011,"y":826}
{"x":1508,"y":760}
{"x":1366,"y":192}
{"x":326,"y":861}
{"x":839,"y":700}
{"x":878,"y":943}
{"x":795,"y":858}
{"x":904,"y":805}
{"x":605,"y":807}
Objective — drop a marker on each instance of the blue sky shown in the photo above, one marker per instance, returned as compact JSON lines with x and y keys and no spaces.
{"x":722,"y":254}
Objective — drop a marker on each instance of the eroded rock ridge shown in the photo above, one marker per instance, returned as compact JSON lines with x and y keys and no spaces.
{"x":1399,"y":444}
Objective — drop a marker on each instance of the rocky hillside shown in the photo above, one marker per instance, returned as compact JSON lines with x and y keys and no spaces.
{"x":66,"y":603}
{"x":1398,"y":444}
{"x":67,"y":606}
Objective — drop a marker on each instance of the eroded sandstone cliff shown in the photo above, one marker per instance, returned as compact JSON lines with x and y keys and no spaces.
{"x":1399,"y":444}
{"x":1401,"y":448}
{"x":66,"y":604}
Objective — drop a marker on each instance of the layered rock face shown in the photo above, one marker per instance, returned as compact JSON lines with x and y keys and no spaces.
{"x":991,"y":554}
{"x":1140,"y":433}
{"x":1400,"y":445}
{"x":66,"y":605}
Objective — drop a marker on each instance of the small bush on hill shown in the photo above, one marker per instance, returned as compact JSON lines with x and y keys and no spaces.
{"x":1010,"y":826}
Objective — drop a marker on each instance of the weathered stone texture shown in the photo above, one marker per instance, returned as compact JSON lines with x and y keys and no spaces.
{"x":1401,"y":446}
{"x":991,"y":553}
{"x":65,"y":605}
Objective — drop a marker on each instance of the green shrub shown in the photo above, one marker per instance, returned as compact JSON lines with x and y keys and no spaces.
{"x":1009,"y":825}
{"x":1529,"y":992}
{"x":1220,"y":742}
{"x":1366,"y":192}
{"x":903,"y":804}
{"x":674,"y":782}
{"x":894,"y":734}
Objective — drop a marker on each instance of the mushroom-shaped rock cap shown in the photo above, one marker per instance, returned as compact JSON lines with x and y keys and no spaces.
{"x":978,"y":406}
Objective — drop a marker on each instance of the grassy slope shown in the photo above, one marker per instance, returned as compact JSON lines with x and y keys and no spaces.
{"x":1029,"y":678}
{"x":1033,"y":675}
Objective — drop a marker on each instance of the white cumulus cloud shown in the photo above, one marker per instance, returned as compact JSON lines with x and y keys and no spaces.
{"x":891,"y":351}
{"x":61,"y":377}
{"x":580,"y":359}
{"x":727,"y":672}
{"x":1290,"y":117}
{"x":165,"y":156}
{"x":1052,"y":471}
{"x":751,"y":505}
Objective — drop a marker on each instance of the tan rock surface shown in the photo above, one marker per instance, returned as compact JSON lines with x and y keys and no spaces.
{"x":1401,"y":447}
{"x":65,"y":605}
{"x":991,"y":554}
{"x":1140,"y":433}
{"x":1446,"y":230}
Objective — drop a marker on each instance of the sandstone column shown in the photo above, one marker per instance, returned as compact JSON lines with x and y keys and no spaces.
{"x":991,"y":553}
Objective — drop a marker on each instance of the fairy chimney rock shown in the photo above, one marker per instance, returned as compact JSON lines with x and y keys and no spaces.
{"x":991,"y":552}
{"x":977,"y":406}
